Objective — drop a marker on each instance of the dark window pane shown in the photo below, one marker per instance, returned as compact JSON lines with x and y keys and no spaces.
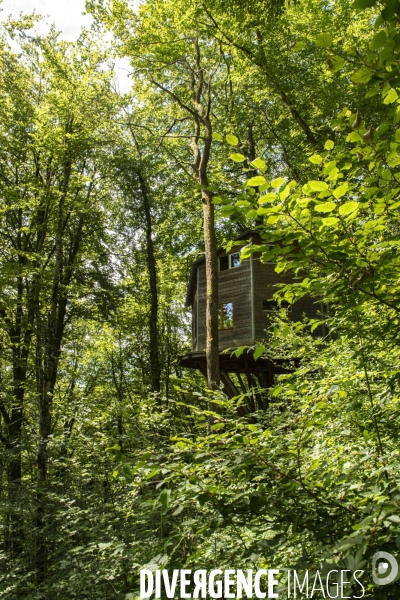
{"x":235,"y":260}
{"x":271,"y":304}
{"x":223,"y":263}
{"x":286,"y":305}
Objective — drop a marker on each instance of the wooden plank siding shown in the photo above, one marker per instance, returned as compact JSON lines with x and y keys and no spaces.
{"x":235,"y":285}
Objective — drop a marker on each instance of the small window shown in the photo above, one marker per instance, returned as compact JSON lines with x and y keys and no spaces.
{"x":225,"y":316}
{"x":271,"y":305}
{"x":223,"y":263}
{"x":235,"y":260}
{"x":229,"y":261}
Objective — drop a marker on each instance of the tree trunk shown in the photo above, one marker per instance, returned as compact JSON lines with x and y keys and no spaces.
{"x":200,"y":112}
{"x":201,"y":157}
{"x":155,"y":368}
{"x":210,"y":242}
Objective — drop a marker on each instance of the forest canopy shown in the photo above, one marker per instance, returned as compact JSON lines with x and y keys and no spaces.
{"x":269,"y":117}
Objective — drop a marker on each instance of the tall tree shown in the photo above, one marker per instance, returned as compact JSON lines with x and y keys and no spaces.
{"x":48,"y":185}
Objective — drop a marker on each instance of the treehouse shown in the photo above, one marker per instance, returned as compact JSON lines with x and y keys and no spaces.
{"x":246,"y":303}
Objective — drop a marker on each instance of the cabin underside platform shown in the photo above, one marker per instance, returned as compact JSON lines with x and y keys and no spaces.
{"x":239,"y":373}
{"x":230,"y":363}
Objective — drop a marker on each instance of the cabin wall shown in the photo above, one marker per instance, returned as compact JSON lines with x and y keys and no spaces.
{"x":235,"y":285}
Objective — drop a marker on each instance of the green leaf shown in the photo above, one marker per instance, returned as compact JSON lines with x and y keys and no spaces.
{"x":258,"y":352}
{"x":329,"y":144}
{"x":354,"y":136}
{"x":232,"y":139}
{"x":347,"y":208}
{"x":258,"y":163}
{"x":390,"y":9}
{"x":379,"y":40}
{"x":316,"y":159}
{"x":240,"y":351}
{"x":326,"y":207}
{"x":341,"y":190}
{"x":318,"y":186}
{"x":324,"y":40}
{"x":256,"y":181}
{"x":237,"y":157}
{"x":217,"y":136}
{"x":276,"y":183}
{"x":164,"y":498}
{"x":363,"y":75}
{"x":330,"y":221}
{"x":383,"y":128}
{"x":297,"y":46}
{"x":227,"y":211}
{"x":336,"y":63}
{"x":267,"y":198}
{"x":394,"y":519}
{"x":391,"y":97}
{"x":152,"y":473}
{"x":276,"y":391}
{"x":217,"y":426}
{"x":285,"y":193}
{"x":362,"y":4}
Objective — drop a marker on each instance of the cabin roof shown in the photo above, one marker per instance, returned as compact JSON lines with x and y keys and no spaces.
{"x":200,"y":261}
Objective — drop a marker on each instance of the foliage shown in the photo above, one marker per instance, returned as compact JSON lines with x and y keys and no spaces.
{"x":107,"y":464}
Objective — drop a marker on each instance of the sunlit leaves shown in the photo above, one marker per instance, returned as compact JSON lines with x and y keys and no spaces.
{"x":317,"y":186}
{"x":236,"y":157}
{"x":324,"y":40}
{"x":330,"y":221}
{"x":391,"y":96}
{"x":378,"y":40}
{"x":347,"y":208}
{"x":258,"y":163}
{"x":277,"y":183}
{"x":325,"y":207}
{"x":363,"y":75}
{"x":341,"y":190}
{"x":256,"y":181}
{"x":232,"y":139}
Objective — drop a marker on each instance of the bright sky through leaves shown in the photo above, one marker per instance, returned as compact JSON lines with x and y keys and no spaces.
{"x":68,"y":18}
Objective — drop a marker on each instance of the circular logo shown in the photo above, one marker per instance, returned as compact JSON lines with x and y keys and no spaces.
{"x":387,"y":568}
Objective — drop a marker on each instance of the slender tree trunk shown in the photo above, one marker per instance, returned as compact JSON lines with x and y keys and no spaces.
{"x":201,"y":157}
{"x":210,"y":242}
{"x":20,"y":329}
{"x":200,"y":112}
{"x":49,"y":338}
{"x":155,"y":367}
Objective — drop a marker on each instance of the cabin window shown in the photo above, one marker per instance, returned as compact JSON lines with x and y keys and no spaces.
{"x":235,"y":260}
{"x":223,"y":263}
{"x":225,"y":316}
{"x":229,"y":261}
{"x":270,"y":305}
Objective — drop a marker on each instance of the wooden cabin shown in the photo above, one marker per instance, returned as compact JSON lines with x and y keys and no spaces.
{"x":245,"y":295}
